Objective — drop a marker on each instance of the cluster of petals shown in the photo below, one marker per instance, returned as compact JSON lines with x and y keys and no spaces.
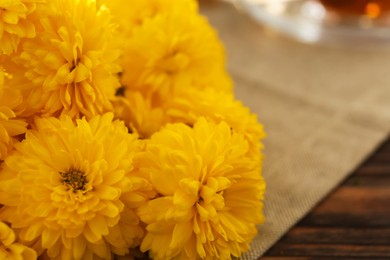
{"x":188,"y":105}
{"x":120,"y":134}
{"x":10,"y":125}
{"x":68,"y":189}
{"x":140,"y":115}
{"x":129,"y":19}
{"x":210,"y":192}
{"x":17,"y":21}
{"x":10,"y":248}
{"x":70,"y":66}
{"x":183,"y":51}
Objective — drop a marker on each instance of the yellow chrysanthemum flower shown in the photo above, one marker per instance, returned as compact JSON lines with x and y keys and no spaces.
{"x":139,"y":114}
{"x":69,"y":188}
{"x":174,"y":50}
{"x":10,"y":125}
{"x":190,"y":104}
{"x":210,"y":192}
{"x":16,"y":22}
{"x":70,"y":66}
{"x":10,"y":249}
{"x":141,"y":10}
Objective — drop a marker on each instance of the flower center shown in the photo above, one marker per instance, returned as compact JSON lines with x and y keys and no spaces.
{"x":74,"y":179}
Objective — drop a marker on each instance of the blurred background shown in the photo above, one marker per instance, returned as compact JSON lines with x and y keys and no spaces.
{"x":316,"y":73}
{"x":324,"y":21}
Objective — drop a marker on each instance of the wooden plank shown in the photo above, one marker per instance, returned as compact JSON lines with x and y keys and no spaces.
{"x":364,"y":200}
{"x":319,"y":258}
{"x":385,"y":147}
{"x":353,"y":206}
{"x":302,"y":258}
{"x":374,"y":169}
{"x":328,"y":250}
{"x":326,"y":235}
{"x":369,"y":181}
{"x":289,"y":258}
{"x":381,"y":158}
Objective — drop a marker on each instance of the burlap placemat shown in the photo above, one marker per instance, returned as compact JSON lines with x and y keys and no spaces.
{"x":325,"y":109}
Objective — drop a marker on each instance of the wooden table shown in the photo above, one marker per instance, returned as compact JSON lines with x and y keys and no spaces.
{"x":352,"y":222}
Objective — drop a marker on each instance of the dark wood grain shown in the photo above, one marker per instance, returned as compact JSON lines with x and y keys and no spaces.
{"x":353,"y":222}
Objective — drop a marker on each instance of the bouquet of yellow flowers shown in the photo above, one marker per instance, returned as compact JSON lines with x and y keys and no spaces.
{"x":120,"y":133}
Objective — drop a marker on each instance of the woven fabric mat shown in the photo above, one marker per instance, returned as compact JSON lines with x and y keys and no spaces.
{"x":325,"y":109}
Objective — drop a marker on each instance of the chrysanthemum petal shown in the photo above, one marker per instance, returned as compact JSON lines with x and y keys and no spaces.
{"x":79,"y":245}
{"x":98,"y":223}
{"x":7,"y":236}
{"x":50,"y":237}
{"x":32,"y":232}
{"x":181,"y":233}
{"x":100,"y":249}
{"x":107,"y":192}
{"x":90,"y":235}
